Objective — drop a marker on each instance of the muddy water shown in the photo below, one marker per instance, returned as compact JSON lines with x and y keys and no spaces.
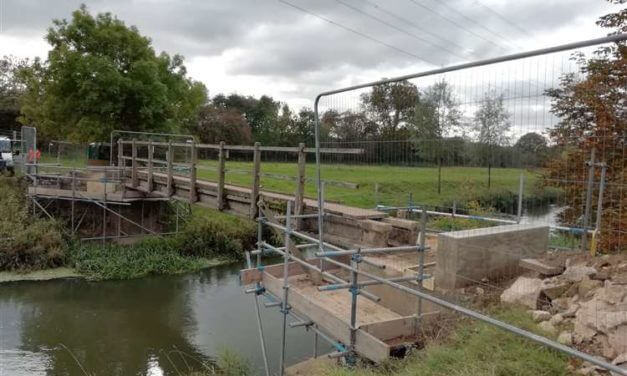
{"x":163,"y":325}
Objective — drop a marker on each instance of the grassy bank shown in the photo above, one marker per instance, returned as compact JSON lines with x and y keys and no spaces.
{"x":473,"y":349}
{"x":30,"y":244}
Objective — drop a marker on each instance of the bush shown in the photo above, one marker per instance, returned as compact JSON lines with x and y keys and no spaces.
{"x":457,"y":224}
{"x":26,"y":243}
{"x":214,"y":234}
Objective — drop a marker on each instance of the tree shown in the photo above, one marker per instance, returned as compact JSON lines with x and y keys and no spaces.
{"x":10,"y":90}
{"x":532,"y":149}
{"x":492,"y":121}
{"x":391,"y":105}
{"x":437,"y":114}
{"x":262,"y":114}
{"x":593,"y":115}
{"x":102,"y":75}
{"x":216,"y":124}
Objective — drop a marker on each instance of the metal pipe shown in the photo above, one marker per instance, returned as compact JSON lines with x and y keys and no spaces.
{"x":259,"y":324}
{"x":586,"y":214}
{"x":339,"y":286}
{"x":350,"y":359}
{"x":285,"y":307}
{"x":520,"y":198}
{"x":421,"y":255}
{"x":600,"y":201}
{"x":404,"y":248}
{"x":432,"y":212}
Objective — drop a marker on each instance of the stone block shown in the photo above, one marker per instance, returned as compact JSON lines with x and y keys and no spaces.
{"x":464,"y":257}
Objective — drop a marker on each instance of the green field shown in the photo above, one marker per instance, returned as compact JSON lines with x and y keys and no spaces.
{"x":461,"y":184}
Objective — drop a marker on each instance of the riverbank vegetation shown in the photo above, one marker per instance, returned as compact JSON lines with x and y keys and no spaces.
{"x":31,"y":243}
{"x":472,"y":348}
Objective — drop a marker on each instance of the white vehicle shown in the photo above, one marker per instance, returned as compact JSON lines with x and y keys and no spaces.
{"x":7,"y":162}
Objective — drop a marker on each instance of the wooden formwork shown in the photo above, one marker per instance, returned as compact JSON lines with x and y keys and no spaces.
{"x":382,"y":330}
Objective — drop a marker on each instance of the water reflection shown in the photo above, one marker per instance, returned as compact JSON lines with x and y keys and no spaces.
{"x":150,"y":326}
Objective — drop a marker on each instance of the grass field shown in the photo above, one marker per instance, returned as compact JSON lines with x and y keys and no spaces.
{"x":461,"y":184}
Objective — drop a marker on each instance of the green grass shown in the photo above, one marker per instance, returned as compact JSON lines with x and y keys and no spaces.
{"x":475,"y":349}
{"x":461,"y":184}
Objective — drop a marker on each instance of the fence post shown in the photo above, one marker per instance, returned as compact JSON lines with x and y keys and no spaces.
{"x":121,"y":162}
{"x":600,"y":203}
{"x":521,"y":186}
{"x":300,"y":187}
{"x":134,"y":181}
{"x":254,"y":193}
{"x":150,"y":166}
{"x":193,"y":197}
{"x":170,"y":187}
{"x":586,"y":214}
{"x":221,"y":177}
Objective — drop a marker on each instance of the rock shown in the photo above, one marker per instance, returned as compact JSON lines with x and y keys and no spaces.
{"x":604,"y":314}
{"x":607,"y":350}
{"x":619,"y":279}
{"x":565,"y":338}
{"x":548,"y":327}
{"x":561,"y":304}
{"x":572,"y":290}
{"x":556,"y":289}
{"x":479,"y":291}
{"x":570,"y":311}
{"x":576,"y":273}
{"x":540,"y":315}
{"x":601,"y":276}
{"x":587,"y":285}
{"x":525,"y":291}
{"x":556,"y":320}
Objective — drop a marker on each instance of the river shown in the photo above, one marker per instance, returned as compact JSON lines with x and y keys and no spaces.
{"x":161,"y":325}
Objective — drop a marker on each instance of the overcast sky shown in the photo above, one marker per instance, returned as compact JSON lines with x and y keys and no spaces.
{"x":269,"y":47}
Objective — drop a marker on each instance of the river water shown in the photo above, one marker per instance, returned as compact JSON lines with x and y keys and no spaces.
{"x":162,"y":325}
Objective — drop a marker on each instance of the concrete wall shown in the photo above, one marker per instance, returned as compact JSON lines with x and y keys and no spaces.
{"x":465,"y":257}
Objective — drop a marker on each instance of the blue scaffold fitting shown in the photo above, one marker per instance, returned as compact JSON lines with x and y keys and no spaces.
{"x":260,"y":290}
{"x":339,"y":347}
{"x":260,"y":268}
{"x":356,"y":257}
{"x":286,"y":310}
{"x":354,"y":290}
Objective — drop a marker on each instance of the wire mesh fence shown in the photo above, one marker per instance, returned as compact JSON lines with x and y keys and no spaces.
{"x":472,"y":139}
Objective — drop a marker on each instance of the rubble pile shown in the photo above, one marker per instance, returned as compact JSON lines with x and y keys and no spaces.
{"x":580,"y":300}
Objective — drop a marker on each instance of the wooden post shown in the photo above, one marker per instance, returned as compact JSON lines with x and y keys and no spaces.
{"x":193,"y":195}
{"x":121,"y":163}
{"x":150,"y":166}
{"x":254,"y":193}
{"x":134,"y":181}
{"x":299,"y":207}
{"x":220,"y":197}
{"x":170,"y":187}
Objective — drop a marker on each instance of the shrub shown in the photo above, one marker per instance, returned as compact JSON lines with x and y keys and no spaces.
{"x":26,"y":243}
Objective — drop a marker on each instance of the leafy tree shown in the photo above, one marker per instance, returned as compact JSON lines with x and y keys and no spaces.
{"x":102,"y":75}
{"x":215,"y":124}
{"x":391,"y":105}
{"x":437,"y":113}
{"x":593,"y":115}
{"x":492,"y":121}
{"x":532,"y":149}
{"x":262,"y":114}
{"x":531,"y":143}
{"x":10,"y":90}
